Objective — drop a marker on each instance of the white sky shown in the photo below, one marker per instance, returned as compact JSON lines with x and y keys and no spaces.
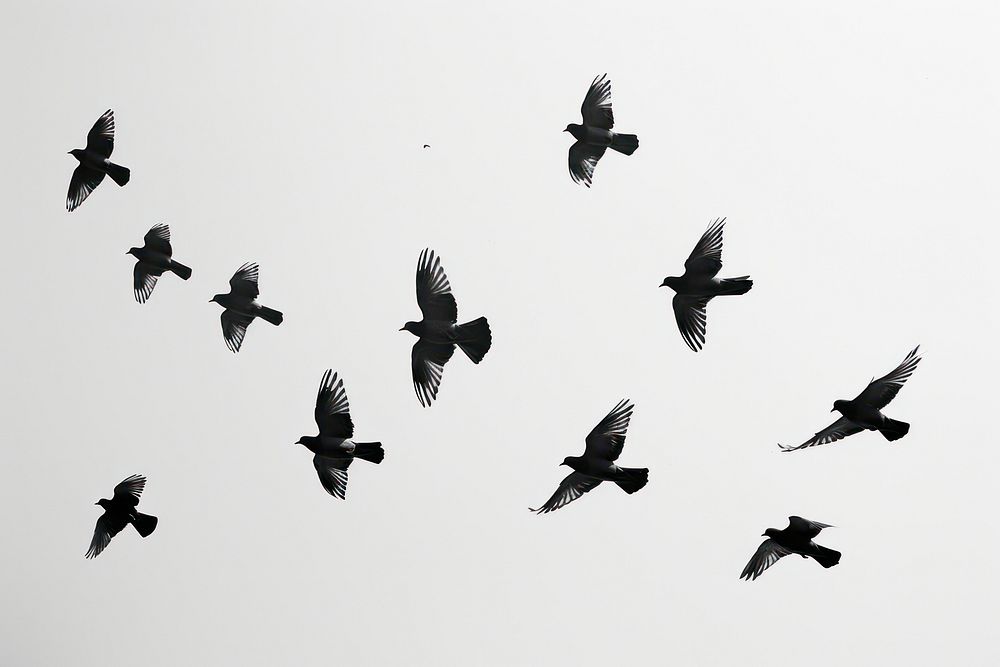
{"x":853,"y":147}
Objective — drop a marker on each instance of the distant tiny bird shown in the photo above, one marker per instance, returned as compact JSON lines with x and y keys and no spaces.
{"x":603,"y":447}
{"x":438,"y":331}
{"x":241,"y":306}
{"x":865,"y":411}
{"x":595,"y":135}
{"x":796,"y":539}
{"x":699,"y":285}
{"x":427,"y":145}
{"x":333,"y":447}
{"x":119,"y":512}
{"x":94,"y":162}
{"x":154,"y":258}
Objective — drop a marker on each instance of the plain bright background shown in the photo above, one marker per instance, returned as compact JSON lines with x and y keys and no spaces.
{"x":853,"y":147}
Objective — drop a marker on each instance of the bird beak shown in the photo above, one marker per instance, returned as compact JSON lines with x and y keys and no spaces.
{"x":763,"y":534}
{"x":403,"y":329}
{"x":565,"y":130}
{"x":97,"y":503}
{"x":832,"y":409}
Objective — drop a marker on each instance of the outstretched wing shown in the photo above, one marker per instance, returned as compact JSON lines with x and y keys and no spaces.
{"x":332,"y":410}
{"x":768,"y":553}
{"x":81,"y":184}
{"x":805,"y":527}
{"x":129,"y":489}
{"x":606,"y":440}
{"x":582,"y":161}
{"x":880,"y":392}
{"x":706,"y":258}
{"x":692,"y":319}
{"x":101,"y":138}
{"x":244,"y":281}
{"x":596,"y":108}
{"x":143,"y":282}
{"x":104,"y":530}
{"x":333,"y":474}
{"x":433,"y":289}
{"x":428,"y":360}
{"x":838,"y":430}
{"x":575,"y":485}
{"x":234,"y":328}
{"x":158,"y":239}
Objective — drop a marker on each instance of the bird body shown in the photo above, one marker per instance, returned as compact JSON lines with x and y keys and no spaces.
{"x":94,"y":162}
{"x":797,"y":538}
{"x":595,"y":135}
{"x":120,"y":511}
{"x":154,"y":259}
{"x":241,"y":306}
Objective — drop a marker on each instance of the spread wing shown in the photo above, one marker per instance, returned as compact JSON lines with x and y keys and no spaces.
{"x":244,"y":281}
{"x":332,"y":410}
{"x":596,"y":108}
{"x":81,"y":184}
{"x":768,"y":553}
{"x":608,"y":437}
{"x":234,"y":328}
{"x":575,"y":485}
{"x":805,"y":527}
{"x":692,"y":319}
{"x":433,"y":289}
{"x":143,"y":282}
{"x":101,"y":138}
{"x":428,"y":360}
{"x":158,"y":239}
{"x":582,"y":161}
{"x":838,"y":430}
{"x":332,"y":474}
{"x":129,"y":490}
{"x":104,"y":530}
{"x":706,"y":258}
{"x":880,"y":392}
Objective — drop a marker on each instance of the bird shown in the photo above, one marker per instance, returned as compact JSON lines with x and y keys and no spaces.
{"x":94,"y":162}
{"x":119,"y":512}
{"x":699,"y":285}
{"x":796,"y":539}
{"x":241,"y":306}
{"x":864,"y":412}
{"x":438,"y":331}
{"x":595,"y":135}
{"x":603,"y":447}
{"x":333,"y":448}
{"x":427,"y":145}
{"x":153,"y":259}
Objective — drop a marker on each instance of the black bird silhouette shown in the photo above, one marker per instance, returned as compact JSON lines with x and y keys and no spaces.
{"x":119,"y":512}
{"x":427,"y":145}
{"x":154,"y":258}
{"x":241,"y":306}
{"x":699,"y":285}
{"x":94,"y":162}
{"x":438,"y":331}
{"x":595,"y":135}
{"x":865,"y":411}
{"x":796,"y":539}
{"x":604,"y":446}
{"x":333,"y":447}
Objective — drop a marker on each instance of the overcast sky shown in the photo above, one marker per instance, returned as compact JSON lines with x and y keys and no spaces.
{"x":853,"y":147}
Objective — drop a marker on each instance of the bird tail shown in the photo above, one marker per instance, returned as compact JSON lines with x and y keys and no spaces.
{"x":144,"y":524}
{"x":739,"y":285}
{"x":633,"y":479}
{"x":624,"y":143}
{"x":894,"y":430}
{"x":118,"y":173}
{"x":270,"y":315}
{"x":369,"y":451}
{"x":181,"y":270}
{"x":826,"y":557}
{"x":475,"y":339}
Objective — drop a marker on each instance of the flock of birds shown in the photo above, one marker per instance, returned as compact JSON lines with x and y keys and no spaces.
{"x":439,"y":333}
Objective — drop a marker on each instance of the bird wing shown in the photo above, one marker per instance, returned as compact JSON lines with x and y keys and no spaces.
{"x":596,"y":108}
{"x":81,"y":184}
{"x":575,"y":485}
{"x":582,"y":161}
{"x":692,"y":319}
{"x":333,"y":474}
{"x":101,"y":138}
{"x":880,"y":392}
{"x":428,"y":360}
{"x":838,"y":430}
{"x":244,"y":281}
{"x":103,"y":532}
{"x":433,"y":289}
{"x":234,"y":328}
{"x":606,"y":440}
{"x":706,"y":258}
{"x":158,"y":239}
{"x":129,"y":489}
{"x":333,"y":414}
{"x":805,"y":527}
{"x":768,"y":553}
{"x":142,"y":282}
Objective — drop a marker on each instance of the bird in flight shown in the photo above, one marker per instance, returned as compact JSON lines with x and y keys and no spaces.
{"x":153,"y":259}
{"x":796,"y":539}
{"x":241,"y":306}
{"x":119,"y":512}
{"x":333,"y":448}
{"x":438,"y":331}
{"x":94,"y":162}
{"x":699,"y":285}
{"x":864,"y":412}
{"x":596,"y":135}
{"x":603,"y":447}
{"x":427,"y":145}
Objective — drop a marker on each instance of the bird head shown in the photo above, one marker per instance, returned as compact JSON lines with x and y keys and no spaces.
{"x":670,"y":281}
{"x":215,"y":298}
{"x":411,"y":327}
{"x":132,"y":251}
{"x":770,"y":532}
{"x":568,"y":461}
{"x":103,"y":502}
{"x":839,"y":406}
{"x":574,"y":129}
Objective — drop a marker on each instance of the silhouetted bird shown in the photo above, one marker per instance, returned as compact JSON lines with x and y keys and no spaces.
{"x":333,"y":447}
{"x":241,"y":306}
{"x":119,"y":512}
{"x":796,"y":539}
{"x":865,"y":411}
{"x":699,"y":285}
{"x":604,"y":446}
{"x":595,"y":135}
{"x":438,"y":331}
{"x":427,"y":145}
{"x":154,"y":259}
{"x":94,"y":162}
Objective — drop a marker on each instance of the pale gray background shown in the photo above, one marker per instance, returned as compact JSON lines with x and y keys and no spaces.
{"x":853,"y":147}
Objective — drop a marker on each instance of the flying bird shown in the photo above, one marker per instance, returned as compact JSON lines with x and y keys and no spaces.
{"x":864,"y":412}
{"x":603,"y":447}
{"x":154,"y":258}
{"x":241,"y":307}
{"x":333,"y":448}
{"x":438,"y":331}
{"x":94,"y":162}
{"x":596,"y":135}
{"x":119,"y":512}
{"x":699,"y":285}
{"x":796,"y":539}
{"x":427,"y":145}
